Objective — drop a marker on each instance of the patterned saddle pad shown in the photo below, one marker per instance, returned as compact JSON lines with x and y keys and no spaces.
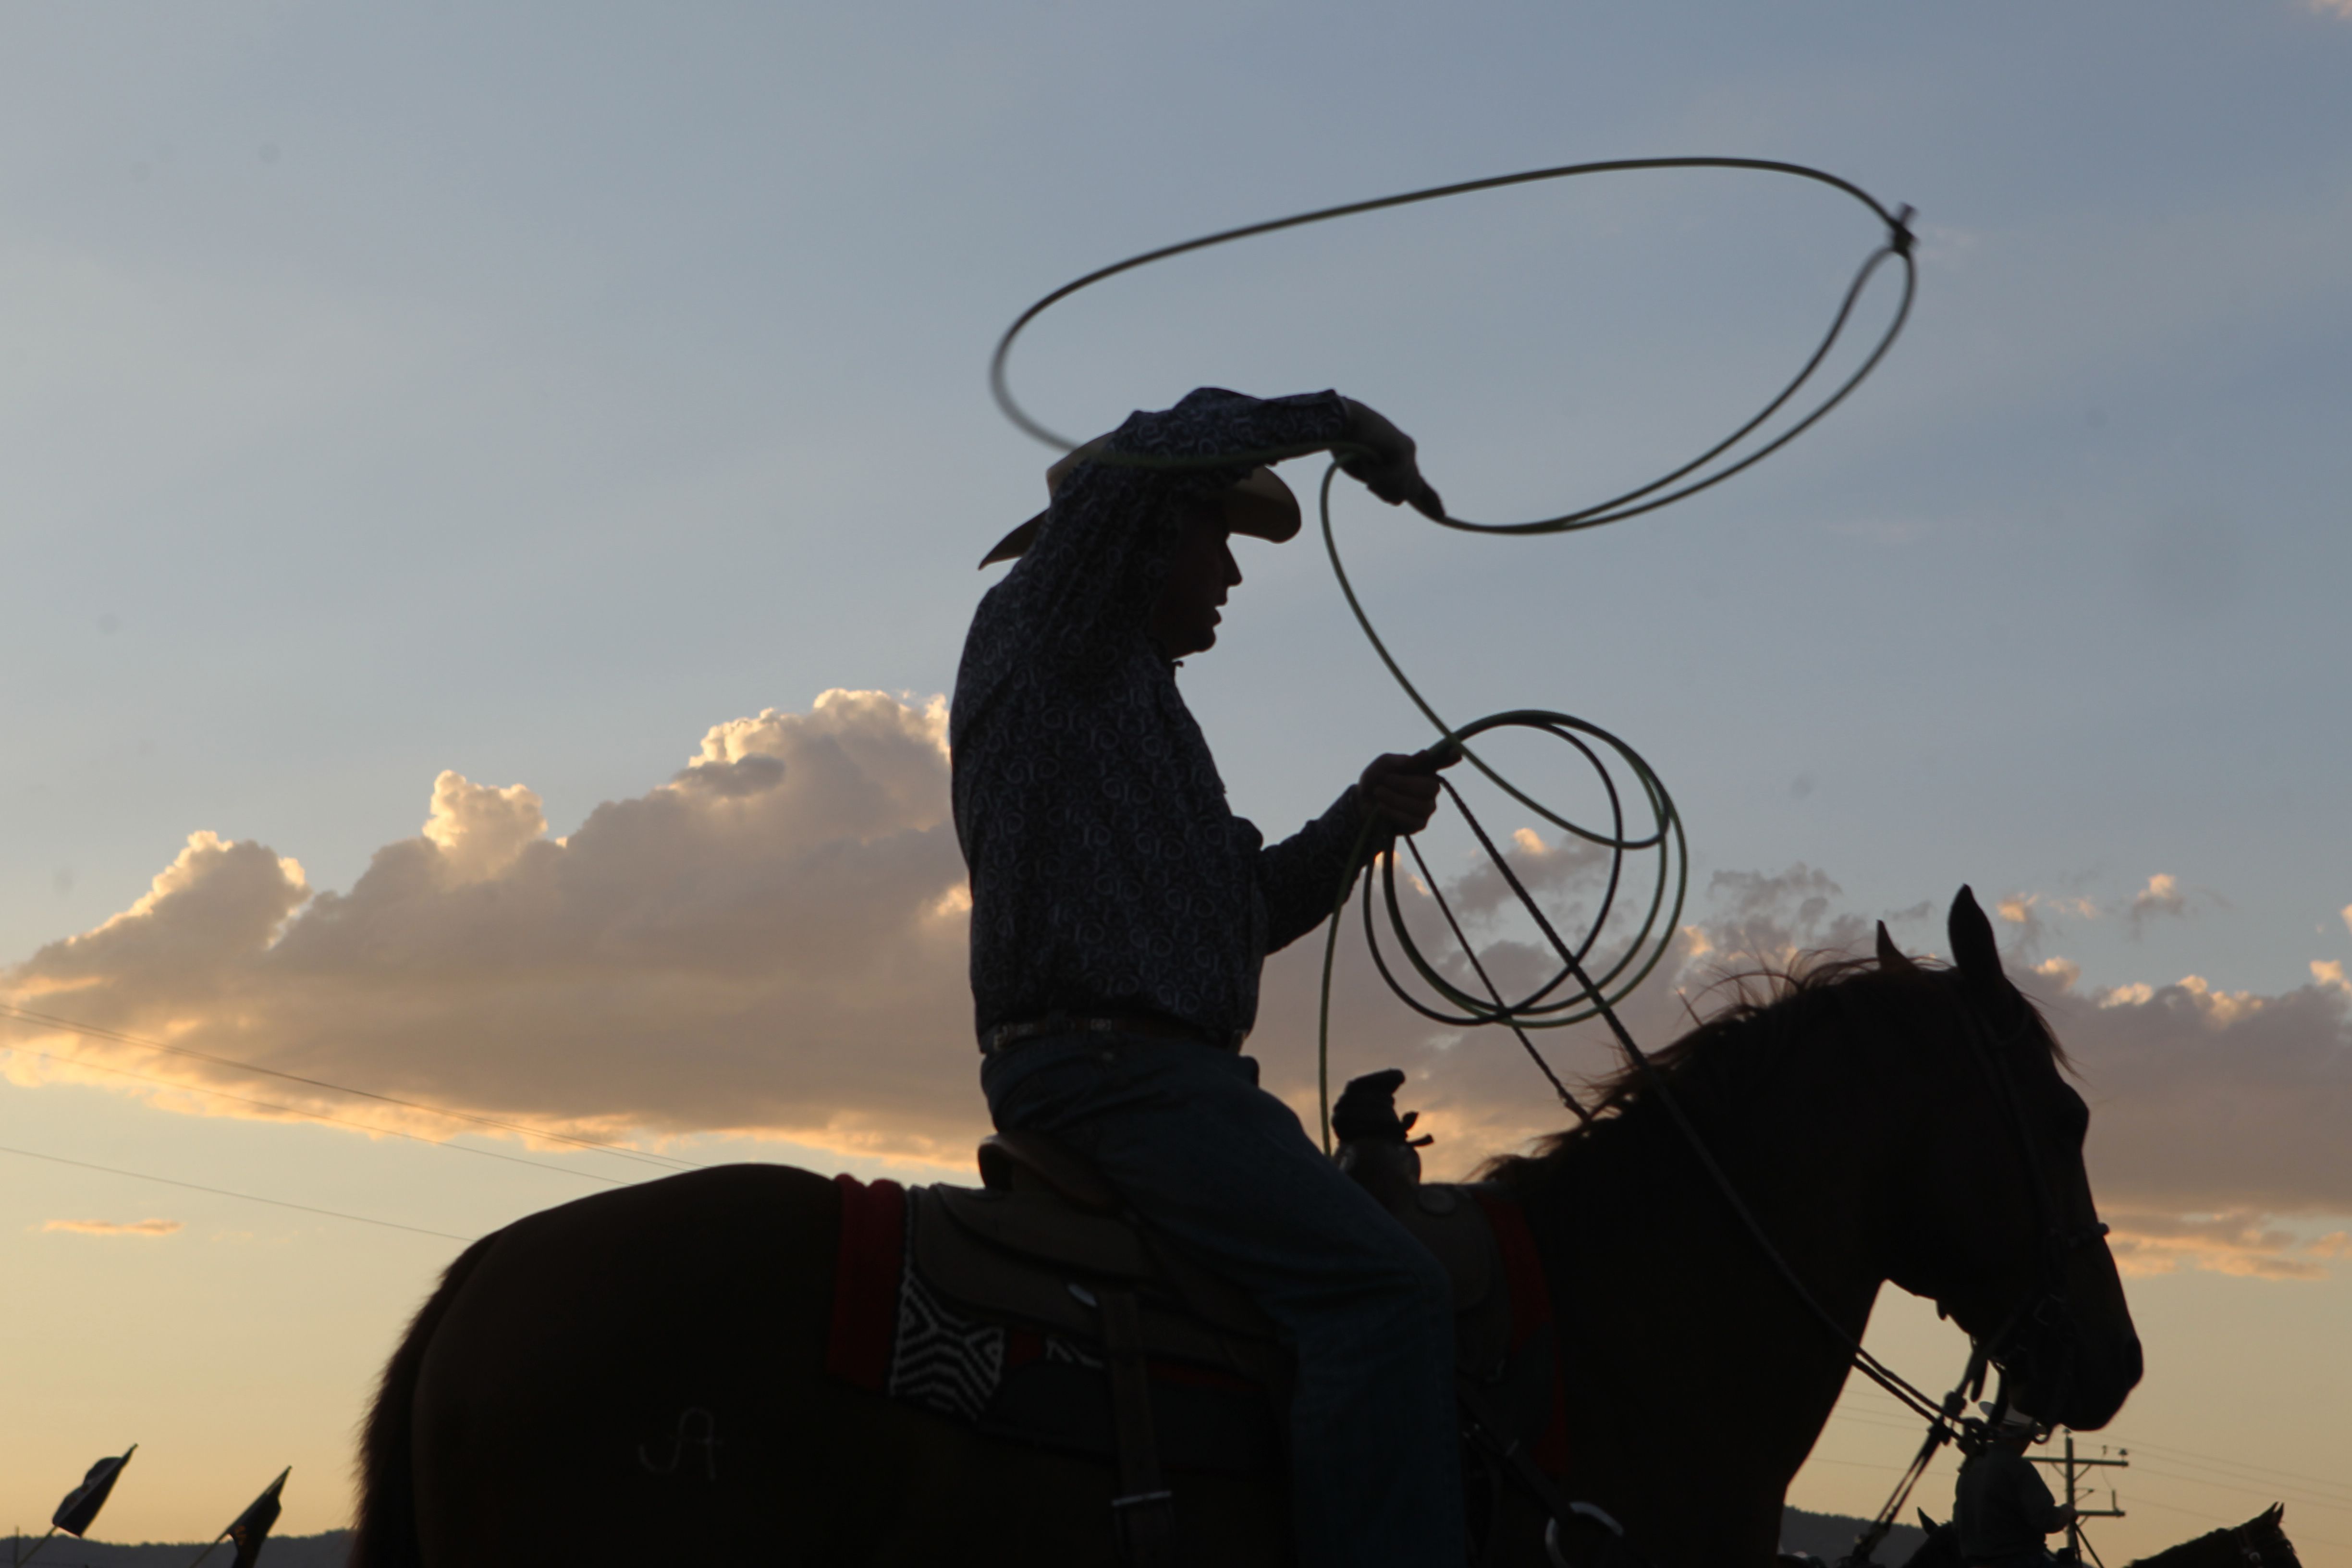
{"x":896,"y":1333}
{"x":977,"y":1307}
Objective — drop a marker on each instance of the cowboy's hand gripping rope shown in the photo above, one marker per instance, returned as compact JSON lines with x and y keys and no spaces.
{"x":1642,"y":817}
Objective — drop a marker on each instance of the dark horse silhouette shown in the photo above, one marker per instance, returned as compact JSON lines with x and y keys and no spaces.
{"x":640,"y":1374}
{"x":2260,"y":1543}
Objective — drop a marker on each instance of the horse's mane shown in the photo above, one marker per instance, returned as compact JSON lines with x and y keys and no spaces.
{"x":1744,"y":1040}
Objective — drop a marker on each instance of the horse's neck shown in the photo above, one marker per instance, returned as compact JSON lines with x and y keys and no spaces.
{"x":1688,"y":1338}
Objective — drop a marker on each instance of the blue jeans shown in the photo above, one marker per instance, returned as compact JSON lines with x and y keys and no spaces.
{"x":1187,"y":1137}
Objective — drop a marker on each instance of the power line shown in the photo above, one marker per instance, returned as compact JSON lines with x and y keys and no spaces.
{"x":2275,"y":1492}
{"x":2186,"y":1457}
{"x":224,"y":1192}
{"x":48,"y":1020}
{"x":312,"y":1115}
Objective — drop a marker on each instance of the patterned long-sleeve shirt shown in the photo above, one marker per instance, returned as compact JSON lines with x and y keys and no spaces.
{"x":1108,"y":873}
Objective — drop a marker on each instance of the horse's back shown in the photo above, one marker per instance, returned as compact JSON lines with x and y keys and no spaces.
{"x":636,"y":1369}
{"x":642,"y":1375}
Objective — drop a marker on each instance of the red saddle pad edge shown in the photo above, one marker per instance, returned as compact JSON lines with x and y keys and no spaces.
{"x":867,"y":1267}
{"x":1530,"y":1316}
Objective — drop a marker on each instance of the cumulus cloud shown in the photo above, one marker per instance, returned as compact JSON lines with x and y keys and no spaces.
{"x":2215,"y":1101}
{"x":147,"y":1228}
{"x":774,"y":941}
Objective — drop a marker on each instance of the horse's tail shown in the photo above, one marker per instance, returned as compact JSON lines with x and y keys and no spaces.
{"x":386,"y":1535}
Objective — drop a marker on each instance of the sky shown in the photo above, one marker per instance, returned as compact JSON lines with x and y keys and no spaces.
{"x":489,"y":497}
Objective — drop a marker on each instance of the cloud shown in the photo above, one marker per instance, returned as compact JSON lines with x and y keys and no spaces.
{"x":2242,"y":1244}
{"x":2160,"y":897}
{"x":148,"y":1228}
{"x":1540,"y":865}
{"x":1771,"y":921}
{"x":2034,"y":914}
{"x":2347,"y":908}
{"x":773,"y":941}
{"x":2332,"y":7}
{"x":2213,"y":1102}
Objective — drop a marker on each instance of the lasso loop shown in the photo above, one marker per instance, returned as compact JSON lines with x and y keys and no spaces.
{"x":1639,"y":944}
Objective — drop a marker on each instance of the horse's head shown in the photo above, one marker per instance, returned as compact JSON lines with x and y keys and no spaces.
{"x":2012,"y":1248}
{"x":2262,"y":1541}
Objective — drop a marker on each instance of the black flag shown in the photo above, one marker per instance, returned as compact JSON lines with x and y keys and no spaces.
{"x":252,"y":1526}
{"x":75,"y":1515}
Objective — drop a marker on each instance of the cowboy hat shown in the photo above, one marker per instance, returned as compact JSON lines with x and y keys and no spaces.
{"x":1260,"y":506}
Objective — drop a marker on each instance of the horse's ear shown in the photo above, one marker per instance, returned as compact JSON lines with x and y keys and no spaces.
{"x":1973,"y":948}
{"x":1891,"y":957}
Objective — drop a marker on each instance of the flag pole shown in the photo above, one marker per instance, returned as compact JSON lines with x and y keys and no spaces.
{"x":207,"y":1552}
{"x":17,"y":1562}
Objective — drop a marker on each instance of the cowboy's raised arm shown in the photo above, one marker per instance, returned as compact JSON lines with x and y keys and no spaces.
{"x":1087,"y":581}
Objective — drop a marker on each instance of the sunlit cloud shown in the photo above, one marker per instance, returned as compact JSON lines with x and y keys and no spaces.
{"x":2036,"y":916}
{"x":147,"y":1228}
{"x":772,"y":943}
{"x":2238,"y":1243}
{"x":2160,"y":897}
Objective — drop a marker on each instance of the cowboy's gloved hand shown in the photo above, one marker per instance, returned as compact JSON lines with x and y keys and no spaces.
{"x":1386,"y":466}
{"x":1367,"y":1109}
{"x":1402,"y":791}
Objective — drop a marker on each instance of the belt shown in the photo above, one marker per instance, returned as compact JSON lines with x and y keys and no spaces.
{"x":1153,"y":1026}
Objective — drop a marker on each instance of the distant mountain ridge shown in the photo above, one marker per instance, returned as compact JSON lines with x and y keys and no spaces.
{"x":1827,"y":1536}
{"x":1830,"y":1536}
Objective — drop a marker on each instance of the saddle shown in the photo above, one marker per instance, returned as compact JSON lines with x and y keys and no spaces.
{"x":1046,"y":1235}
{"x":1047,"y":1247}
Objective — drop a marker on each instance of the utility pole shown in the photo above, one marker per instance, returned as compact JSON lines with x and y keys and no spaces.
{"x":2074,"y":1469}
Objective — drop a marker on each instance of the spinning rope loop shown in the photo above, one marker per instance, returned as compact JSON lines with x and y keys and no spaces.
{"x":1659,"y":827}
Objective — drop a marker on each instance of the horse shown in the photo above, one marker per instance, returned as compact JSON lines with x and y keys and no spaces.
{"x":2260,"y":1543}
{"x":640,"y":1373}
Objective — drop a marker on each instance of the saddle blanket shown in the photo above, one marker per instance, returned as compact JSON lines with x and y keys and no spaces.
{"x":894,"y":1333}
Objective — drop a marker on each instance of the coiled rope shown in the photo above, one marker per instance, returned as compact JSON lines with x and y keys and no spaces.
{"x":1658,"y":827}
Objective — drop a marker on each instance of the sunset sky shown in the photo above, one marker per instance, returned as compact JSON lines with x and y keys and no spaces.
{"x":489,"y":497}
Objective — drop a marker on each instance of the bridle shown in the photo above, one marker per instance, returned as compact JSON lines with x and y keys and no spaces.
{"x":2042,"y":1332}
